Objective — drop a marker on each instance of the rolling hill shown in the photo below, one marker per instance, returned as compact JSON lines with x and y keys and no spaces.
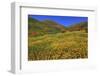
{"x":82,"y":26}
{"x":36,"y":27}
{"x":44,"y":27}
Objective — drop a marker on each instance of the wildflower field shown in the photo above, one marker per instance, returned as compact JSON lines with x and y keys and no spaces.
{"x":68,"y":45}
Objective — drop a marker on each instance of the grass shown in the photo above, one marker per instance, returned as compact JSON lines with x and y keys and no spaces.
{"x":68,"y":45}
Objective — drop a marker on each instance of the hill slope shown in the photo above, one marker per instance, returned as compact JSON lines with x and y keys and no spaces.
{"x":82,"y":26}
{"x":36,"y":27}
{"x":44,"y":27}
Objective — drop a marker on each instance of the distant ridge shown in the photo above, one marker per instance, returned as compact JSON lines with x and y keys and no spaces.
{"x":54,"y":25}
{"x":51,"y":27}
{"x":78,"y":27}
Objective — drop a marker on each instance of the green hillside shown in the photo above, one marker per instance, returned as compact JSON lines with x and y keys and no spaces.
{"x":51,"y":27}
{"x":82,"y":26}
{"x":44,"y":27}
{"x":55,"y":25}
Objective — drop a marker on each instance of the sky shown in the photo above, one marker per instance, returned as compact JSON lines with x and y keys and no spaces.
{"x":63,"y":20}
